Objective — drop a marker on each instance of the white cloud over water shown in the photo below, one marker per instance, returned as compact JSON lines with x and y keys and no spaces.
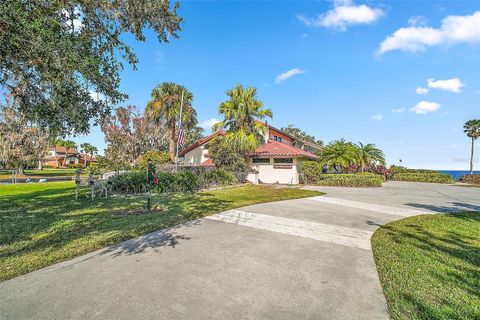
{"x":453,"y":85}
{"x":421,"y":90}
{"x":290,"y":73}
{"x":424,"y":107}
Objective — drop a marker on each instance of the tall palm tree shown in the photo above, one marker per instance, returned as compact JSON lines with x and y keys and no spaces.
{"x":165,"y":107}
{"x":472,"y":129}
{"x":241,"y":112}
{"x":368,"y":154}
{"x":339,"y":155}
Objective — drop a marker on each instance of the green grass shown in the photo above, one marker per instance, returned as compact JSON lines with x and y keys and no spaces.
{"x":429,"y":266}
{"x":45,"y":173}
{"x":51,"y":172}
{"x":42,"y":224}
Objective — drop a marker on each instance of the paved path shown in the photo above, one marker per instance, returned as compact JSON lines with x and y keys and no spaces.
{"x":297,"y":259}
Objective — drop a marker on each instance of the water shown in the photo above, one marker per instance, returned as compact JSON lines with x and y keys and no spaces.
{"x":456,"y":174}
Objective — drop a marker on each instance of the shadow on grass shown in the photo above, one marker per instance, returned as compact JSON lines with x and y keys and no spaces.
{"x":453,"y":258}
{"x":61,"y":220}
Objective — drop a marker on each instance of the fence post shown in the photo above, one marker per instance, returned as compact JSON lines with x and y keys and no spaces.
{"x":77,"y":182}
{"x":91,"y":183}
{"x":149,"y":189}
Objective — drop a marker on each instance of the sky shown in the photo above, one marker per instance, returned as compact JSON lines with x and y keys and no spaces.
{"x":404,"y":75}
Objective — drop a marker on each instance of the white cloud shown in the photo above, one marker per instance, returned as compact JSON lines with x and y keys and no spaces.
{"x":417,"y":21}
{"x":377,"y":117}
{"x":208,"y":124}
{"x":421,"y":90}
{"x":454,"y":29}
{"x":343,"y":14}
{"x":398,"y":110}
{"x":424,"y":107}
{"x":453,"y":85}
{"x":290,"y":73}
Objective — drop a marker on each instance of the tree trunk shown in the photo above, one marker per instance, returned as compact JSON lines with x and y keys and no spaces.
{"x":21,"y":169}
{"x":172,"y":140}
{"x":40,"y":165}
{"x":471,"y":156}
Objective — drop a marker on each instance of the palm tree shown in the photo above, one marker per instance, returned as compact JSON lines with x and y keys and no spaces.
{"x":87,"y":148}
{"x":339,"y":155}
{"x":165,"y":107}
{"x":472,"y":129}
{"x":241,"y":113}
{"x":368,"y":154}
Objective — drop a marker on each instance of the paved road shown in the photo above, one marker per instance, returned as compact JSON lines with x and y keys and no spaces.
{"x":296,"y":259}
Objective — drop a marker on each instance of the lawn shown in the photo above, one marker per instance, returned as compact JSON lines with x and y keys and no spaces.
{"x":45,"y":173}
{"x":429,"y":266}
{"x":42,"y":224}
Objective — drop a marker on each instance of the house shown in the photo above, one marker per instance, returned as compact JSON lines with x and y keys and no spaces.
{"x":58,"y":157}
{"x":278,"y":160}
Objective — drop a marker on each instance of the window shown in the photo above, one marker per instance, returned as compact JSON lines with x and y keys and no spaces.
{"x":261,"y":160}
{"x":283,"y":160}
{"x":277,"y":138}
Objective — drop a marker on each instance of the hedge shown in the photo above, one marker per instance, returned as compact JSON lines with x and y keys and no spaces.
{"x":433,"y":177}
{"x":471,"y":178}
{"x":400,"y":169}
{"x":350,"y":180}
{"x":183,"y":181}
{"x":311,"y":171}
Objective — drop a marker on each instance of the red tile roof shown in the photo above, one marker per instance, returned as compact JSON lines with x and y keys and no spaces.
{"x":201,"y":142}
{"x":207,"y":163}
{"x":63,"y":150}
{"x":274,"y":148}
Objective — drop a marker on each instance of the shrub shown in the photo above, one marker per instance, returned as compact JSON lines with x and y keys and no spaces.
{"x":218,"y":177}
{"x":129,"y":182}
{"x":350,"y":180}
{"x":311,"y":171}
{"x":165,"y":182}
{"x":470,"y":178}
{"x":157,"y":157}
{"x":400,"y":169}
{"x":432,"y":177}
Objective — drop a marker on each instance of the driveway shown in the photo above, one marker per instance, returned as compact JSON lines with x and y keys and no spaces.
{"x":296,"y":259}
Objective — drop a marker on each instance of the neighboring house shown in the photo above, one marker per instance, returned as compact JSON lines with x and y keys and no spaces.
{"x":278,"y":160}
{"x":59,"y":157}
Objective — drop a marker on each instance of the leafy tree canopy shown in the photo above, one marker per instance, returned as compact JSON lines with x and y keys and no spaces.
{"x":225,"y":156}
{"x":61,"y":60}
{"x":300,"y":134}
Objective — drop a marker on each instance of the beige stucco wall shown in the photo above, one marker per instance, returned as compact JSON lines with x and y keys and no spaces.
{"x":268,"y":174}
{"x":195,"y":156}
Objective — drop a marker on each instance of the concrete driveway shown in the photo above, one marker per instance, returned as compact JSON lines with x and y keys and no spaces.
{"x":297,"y":259}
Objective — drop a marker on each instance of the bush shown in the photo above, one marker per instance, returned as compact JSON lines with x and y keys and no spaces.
{"x":400,"y":169}
{"x":218,"y":177}
{"x":129,"y":182}
{"x":311,"y":171}
{"x":471,"y":178}
{"x":432,"y":177}
{"x":165,"y":182}
{"x":156,"y":157}
{"x":350,"y":180}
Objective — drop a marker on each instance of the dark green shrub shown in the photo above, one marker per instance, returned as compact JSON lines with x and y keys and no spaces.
{"x":311,"y":171}
{"x":129,"y":182}
{"x":350,"y":180}
{"x":218,"y":177}
{"x":432,"y":177}
{"x":471,"y":178}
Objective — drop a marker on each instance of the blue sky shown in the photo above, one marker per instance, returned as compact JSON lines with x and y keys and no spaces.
{"x":347,"y":66}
